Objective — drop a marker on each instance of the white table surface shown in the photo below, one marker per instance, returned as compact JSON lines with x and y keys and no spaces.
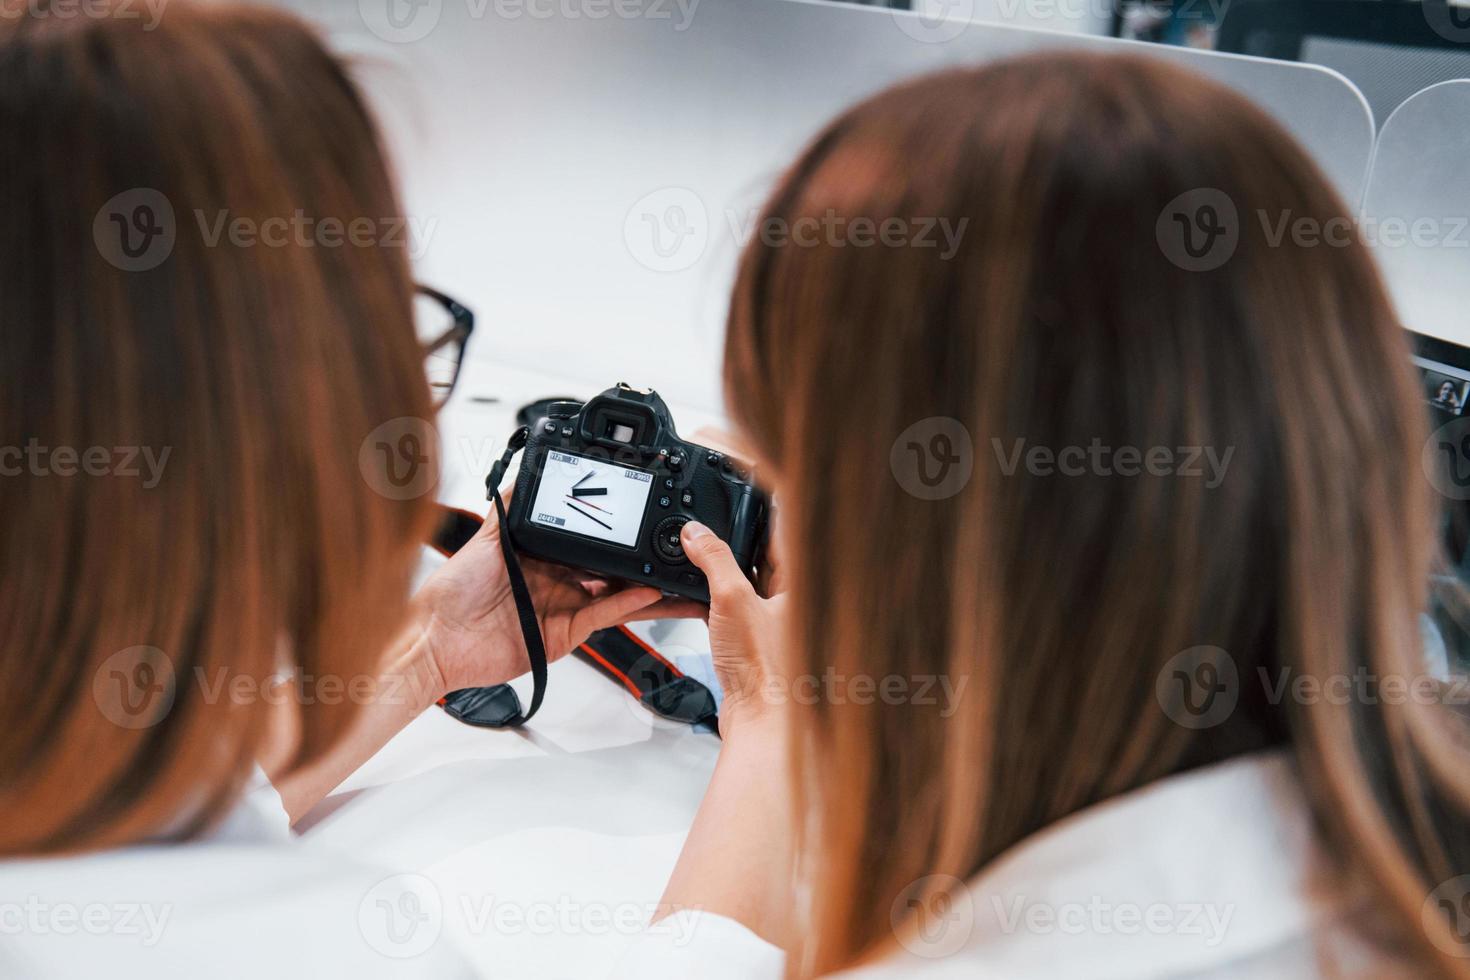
{"x":548,"y":847}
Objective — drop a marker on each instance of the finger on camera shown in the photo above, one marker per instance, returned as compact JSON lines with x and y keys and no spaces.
{"x":713,"y":557}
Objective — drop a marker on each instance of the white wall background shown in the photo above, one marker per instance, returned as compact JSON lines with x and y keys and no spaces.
{"x":543,"y":143}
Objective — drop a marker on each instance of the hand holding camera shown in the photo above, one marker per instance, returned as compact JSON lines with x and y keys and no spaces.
{"x":607,"y":487}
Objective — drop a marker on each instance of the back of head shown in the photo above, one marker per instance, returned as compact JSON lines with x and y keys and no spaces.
{"x":182,"y":406}
{"x":1038,"y":445}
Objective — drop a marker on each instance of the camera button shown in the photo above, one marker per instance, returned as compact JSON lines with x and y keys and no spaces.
{"x":687,"y":499}
{"x":648,"y":568}
{"x":676,"y":460}
{"x":664,"y":501}
{"x":549,"y":427}
{"x":669,"y":484}
{"x":566,"y":430}
{"x":666,"y":538}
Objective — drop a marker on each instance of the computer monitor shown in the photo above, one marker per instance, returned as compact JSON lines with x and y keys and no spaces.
{"x":1388,"y":50}
{"x":1444,"y":377}
{"x":1445,"y":370}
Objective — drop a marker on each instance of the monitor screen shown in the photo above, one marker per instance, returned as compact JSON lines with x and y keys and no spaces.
{"x":1445,"y":387}
{"x":1444,"y":380}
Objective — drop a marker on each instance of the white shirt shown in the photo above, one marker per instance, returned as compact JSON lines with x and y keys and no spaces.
{"x":247,"y":902}
{"x":1210,"y":874}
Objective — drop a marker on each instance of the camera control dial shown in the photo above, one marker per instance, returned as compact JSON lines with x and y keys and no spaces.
{"x":666,"y":538}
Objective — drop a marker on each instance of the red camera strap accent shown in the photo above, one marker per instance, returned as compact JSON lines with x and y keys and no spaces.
{"x":650,"y":677}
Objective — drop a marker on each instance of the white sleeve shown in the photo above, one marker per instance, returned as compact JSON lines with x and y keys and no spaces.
{"x":691,"y":943}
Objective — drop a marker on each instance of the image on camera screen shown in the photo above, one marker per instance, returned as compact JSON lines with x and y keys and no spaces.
{"x":1445,"y":388}
{"x":592,"y":497}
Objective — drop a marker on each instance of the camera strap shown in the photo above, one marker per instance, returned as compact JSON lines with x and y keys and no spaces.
{"x":499,"y":706}
{"x":649,"y":676}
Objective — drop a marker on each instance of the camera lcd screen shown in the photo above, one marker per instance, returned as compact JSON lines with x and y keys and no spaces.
{"x":592,"y":497}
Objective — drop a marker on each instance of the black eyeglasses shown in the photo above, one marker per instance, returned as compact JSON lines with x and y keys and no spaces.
{"x":443,"y":326}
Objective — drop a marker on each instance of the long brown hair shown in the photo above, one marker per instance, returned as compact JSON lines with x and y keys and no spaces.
{"x":1065,"y":317}
{"x":221,"y":529}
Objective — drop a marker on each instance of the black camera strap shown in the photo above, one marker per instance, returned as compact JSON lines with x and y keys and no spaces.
{"x":499,"y":706}
{"x":649,"y":676}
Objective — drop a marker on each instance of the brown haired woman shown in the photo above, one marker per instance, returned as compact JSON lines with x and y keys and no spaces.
{"x":150,"y":613}
{"x":1093,"y":711}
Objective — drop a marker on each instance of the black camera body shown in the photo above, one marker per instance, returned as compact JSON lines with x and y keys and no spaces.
{"x":607,"y":485}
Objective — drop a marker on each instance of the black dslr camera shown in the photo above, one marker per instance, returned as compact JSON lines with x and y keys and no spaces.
{"x":607,"y":485}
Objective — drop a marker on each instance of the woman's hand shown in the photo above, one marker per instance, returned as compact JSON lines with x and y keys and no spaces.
{"x":473,"y":635}
{"x":749,"y":797}
{"x":466,"y":634}
{"x":742,"y":626}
